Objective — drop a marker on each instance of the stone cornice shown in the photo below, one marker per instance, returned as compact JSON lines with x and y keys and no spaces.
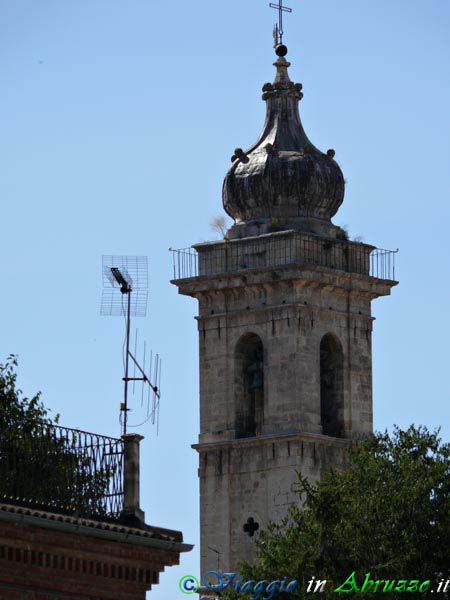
{"x":271,"y":439}
{"x":299,"y":308}
{"x":308,"y":275}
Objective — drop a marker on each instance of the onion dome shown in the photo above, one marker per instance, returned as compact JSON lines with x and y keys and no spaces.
{"x":283,"y":181}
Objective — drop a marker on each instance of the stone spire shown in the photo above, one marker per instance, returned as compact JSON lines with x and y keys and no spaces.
{"x":283,"y":181}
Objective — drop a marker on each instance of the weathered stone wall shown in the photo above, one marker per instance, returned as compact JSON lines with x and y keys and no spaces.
{"x":291,"y":319}
{"x":254,"y":478}
{"x":290,"y":308}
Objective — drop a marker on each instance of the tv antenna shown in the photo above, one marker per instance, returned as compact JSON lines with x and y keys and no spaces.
{"x":125,"y":293}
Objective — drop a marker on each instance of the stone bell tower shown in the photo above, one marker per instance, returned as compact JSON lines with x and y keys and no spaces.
{"x":285,"y":330}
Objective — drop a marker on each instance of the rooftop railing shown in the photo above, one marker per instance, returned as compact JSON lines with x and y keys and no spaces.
{"x":60,"y":469}
{"x":282,"y":251}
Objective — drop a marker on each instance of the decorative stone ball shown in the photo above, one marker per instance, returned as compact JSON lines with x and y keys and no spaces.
{"x":281,"y":50}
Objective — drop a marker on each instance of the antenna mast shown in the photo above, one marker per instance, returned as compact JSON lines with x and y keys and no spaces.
{"x":125,"y":292}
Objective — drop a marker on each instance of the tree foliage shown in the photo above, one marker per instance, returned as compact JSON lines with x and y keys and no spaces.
{"x":18,"y":412}
{"x":41,"y":464}
{"x":387,"y":515}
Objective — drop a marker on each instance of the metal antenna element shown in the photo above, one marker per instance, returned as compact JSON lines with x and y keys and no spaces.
{"x":278,"y":31}
{"x":125,"y":293}
{"x":133,"y":270}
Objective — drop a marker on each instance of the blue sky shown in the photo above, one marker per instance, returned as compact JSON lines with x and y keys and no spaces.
{"x":118,"y":120}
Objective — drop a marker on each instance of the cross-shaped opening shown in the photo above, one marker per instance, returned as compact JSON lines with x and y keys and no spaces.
{"x":251,"y":527}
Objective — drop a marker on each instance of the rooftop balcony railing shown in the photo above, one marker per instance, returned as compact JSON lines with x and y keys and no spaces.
{"x":283,"y":250}
{"x":64,"y":470}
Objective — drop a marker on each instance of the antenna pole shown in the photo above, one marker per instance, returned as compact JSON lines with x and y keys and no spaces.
{"x":126,"y":379}
{"x":123,"y":275}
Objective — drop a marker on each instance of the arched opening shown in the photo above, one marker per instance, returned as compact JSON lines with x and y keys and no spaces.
{"x":249,"y":386}
{"x":331,"y":386}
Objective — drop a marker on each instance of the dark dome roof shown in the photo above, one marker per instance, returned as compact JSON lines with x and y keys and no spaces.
{"x":283,"y":181}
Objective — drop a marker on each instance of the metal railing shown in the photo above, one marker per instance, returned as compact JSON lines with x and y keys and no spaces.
{"x":382,"y":264}
{"x":60,"y":469}
{"x":277,"y":251}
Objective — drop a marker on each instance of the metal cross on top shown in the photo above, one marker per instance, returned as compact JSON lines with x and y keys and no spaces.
{"x":278,"y":34}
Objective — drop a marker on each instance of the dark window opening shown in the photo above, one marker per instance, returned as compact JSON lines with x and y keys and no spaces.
{"x":331,"y":386}
{"x":249,"y":385}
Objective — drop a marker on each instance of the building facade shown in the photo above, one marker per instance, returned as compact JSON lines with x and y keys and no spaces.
{"x":285,"y":330}
{"x":48,"y":556}
{"x":71,"y":526}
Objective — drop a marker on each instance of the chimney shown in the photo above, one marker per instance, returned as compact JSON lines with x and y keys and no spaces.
{"x":132,"y":512}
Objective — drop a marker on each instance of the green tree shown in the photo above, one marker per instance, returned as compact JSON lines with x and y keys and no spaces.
{"x":18,"y":412}
{"x":41,"y":464}
{"x":387,"y":515}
